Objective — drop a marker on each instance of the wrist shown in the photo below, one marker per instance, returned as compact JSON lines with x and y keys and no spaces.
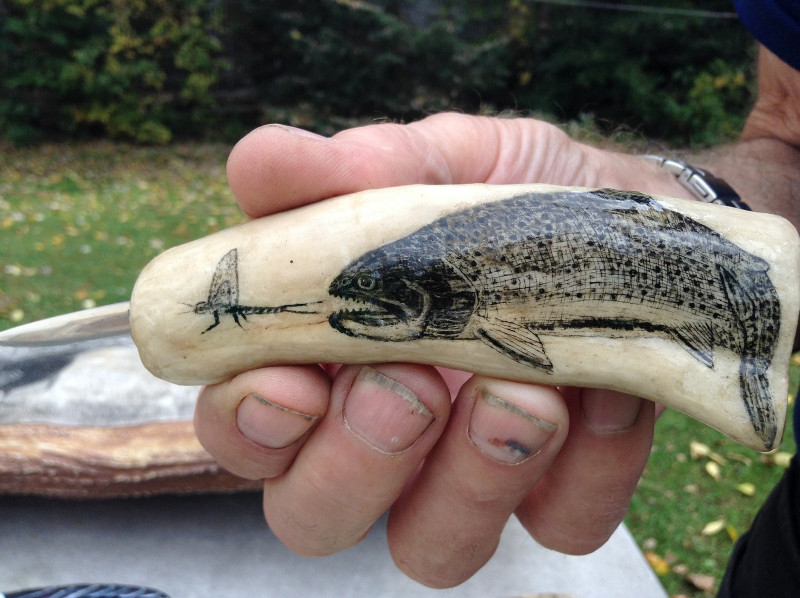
{"x":620,"y":170}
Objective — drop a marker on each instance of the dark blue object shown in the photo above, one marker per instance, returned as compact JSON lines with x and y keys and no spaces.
{"x":88,"y":591}
{"x":776,"y":24}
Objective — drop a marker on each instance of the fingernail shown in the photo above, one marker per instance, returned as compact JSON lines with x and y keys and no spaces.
{"x":608,"y":413}
{"x":298,"y":132}
{"x":269,"y":424}
{"x":384,"y":413}
{"x":505,"y":431}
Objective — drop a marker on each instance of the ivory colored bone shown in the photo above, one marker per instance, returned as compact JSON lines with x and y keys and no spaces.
{"x":689,"y":304}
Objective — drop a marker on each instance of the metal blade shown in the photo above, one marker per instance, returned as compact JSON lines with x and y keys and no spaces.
{"x":97,"y":322}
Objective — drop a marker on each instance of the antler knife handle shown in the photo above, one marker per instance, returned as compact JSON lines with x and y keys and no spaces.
{"x":688,"y":304}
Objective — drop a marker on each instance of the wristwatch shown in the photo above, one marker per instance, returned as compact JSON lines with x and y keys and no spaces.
{"x":701,"y":183}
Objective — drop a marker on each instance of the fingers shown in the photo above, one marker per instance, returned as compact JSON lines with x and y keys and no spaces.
{"x":338,"y":455}
{"x":501,"y":438}
{"x":380,"y":426}
{"x":256,"y":423}
{"x":584,"y":496}
{"x":372,"y":428}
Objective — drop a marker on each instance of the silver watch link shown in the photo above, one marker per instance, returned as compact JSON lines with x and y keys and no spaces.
{"x":701,"y":183}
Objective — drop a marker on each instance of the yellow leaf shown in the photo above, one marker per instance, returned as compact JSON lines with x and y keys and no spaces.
{"x":746,"y":488}
{"x":698,"y":450}
{"x":713,"y":469}
{"x":733,"y":533}
{"x":713,"y":527}
{"x":658,"y":564}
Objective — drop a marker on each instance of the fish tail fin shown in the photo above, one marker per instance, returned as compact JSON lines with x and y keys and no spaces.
{"x":758,"y":400}
{"x":757,"y":309}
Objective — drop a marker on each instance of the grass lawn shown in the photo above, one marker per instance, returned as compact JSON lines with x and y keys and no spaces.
{"x":78,"y":222}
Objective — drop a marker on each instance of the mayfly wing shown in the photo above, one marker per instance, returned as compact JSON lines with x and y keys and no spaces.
{"x":223,"y":294}
{"x":224,"y":289}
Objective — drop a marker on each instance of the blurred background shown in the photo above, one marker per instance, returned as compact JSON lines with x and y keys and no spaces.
{"x":153,"y":71}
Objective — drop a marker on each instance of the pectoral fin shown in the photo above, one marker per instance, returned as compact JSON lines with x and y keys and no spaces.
{"x":698,"y":339}
{"x":518,"y":342}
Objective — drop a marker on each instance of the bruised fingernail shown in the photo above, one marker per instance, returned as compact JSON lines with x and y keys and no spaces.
{"x":269,"y":424}
{"x":505,"y":431}
{"x":609,"y":413}
{"x":384,"y":413}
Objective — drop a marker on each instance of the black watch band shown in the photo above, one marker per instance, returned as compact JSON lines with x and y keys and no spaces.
{"x":701,"y":183}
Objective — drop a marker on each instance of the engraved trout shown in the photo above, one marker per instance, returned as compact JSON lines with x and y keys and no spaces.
{"x":600,"y":263}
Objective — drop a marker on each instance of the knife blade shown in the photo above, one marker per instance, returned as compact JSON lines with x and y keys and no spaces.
{"x":688,"y":304}
{"x":88,"y":324}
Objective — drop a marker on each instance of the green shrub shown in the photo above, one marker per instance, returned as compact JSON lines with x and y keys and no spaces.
{"x":353,"y":59}
{"x":149,"y":70}
{"x":136,"y":69}
{"x":647,"y":71}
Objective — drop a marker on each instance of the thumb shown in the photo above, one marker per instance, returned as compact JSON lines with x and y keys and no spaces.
{"x":275,"y":168}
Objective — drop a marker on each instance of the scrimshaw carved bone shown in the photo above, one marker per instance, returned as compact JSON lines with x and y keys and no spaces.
{"x":692,"y":305}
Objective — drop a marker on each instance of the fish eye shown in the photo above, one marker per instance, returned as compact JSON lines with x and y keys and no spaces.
{"x":366,"y":282}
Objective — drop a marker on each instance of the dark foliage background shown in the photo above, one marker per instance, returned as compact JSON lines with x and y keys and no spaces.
{"x":154,"y":70}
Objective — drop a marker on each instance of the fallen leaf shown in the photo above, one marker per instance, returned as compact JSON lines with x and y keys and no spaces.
{"x":713,"y":469}
{"x":701,"y":581}
{"x":781,"y":459}
{"x":746,"y":488}
{"x":698,"y":450}
{"x":713,"y":527}
{"x":658,"y":564}
{"x":733,"y":533}
{"x":681,"y":569}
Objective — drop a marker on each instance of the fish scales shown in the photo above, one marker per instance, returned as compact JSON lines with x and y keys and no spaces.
{"x":571,"y":263}
{"x":582,"y":256}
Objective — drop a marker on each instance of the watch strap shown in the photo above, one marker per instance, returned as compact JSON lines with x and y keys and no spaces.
{"x":700,"y":183}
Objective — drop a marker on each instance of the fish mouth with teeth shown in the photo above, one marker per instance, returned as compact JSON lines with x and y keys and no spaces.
{"x":380,"y":307}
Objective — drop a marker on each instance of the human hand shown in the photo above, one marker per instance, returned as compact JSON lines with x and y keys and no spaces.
{"x":454,"y":456}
